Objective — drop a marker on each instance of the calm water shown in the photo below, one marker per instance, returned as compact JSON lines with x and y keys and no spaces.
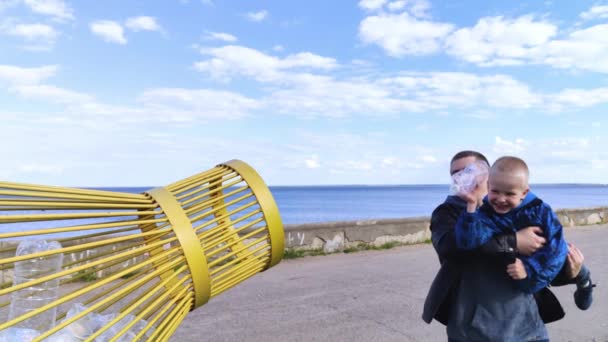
{"x":308,"y":204}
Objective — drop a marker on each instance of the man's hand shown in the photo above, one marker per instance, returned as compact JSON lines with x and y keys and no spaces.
{"x":529,"y":240}
{"x":517,"y":270}
{"x":574,"y":261}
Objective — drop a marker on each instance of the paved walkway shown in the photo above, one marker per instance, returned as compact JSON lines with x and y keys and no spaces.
{"x":370,"y":296}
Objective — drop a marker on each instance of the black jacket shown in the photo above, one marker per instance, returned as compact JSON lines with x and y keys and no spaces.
{"x":453,"y":260}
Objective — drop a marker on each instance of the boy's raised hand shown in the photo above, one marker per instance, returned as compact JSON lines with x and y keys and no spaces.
{"x":529,"y":240}
{"x":517,"y":270}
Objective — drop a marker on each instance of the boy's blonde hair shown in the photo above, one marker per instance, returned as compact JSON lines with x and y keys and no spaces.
{"x":511,"y":165}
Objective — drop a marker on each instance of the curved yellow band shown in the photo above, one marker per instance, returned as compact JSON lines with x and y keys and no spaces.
{"x":181,"y":225}
{"x":268,"y":206}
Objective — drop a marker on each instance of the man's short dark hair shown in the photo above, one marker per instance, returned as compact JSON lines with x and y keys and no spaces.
{"x":465,"y":154}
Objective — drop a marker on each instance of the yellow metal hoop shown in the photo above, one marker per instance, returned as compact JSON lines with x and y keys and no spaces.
{"x":189,"y":242}
{"x":268,"y":205}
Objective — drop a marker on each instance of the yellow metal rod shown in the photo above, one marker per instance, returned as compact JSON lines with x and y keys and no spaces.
{"x":236,"y":251}
{"x":116,"y":224}
{"x":160,"y":330}
{"x":69,"y":190}
{"x":149,"y":309}
{"x":132,"y":307}
{"x":219,"y":218}
{"x":196,"y":180}
{"x":70,"y":216}
{"x":239,"y":269}
{"x":222,"y":229}
{"x":219,"y":188}
{"x":74,"y":205}
{"x":82,"y":247}
{"x":216,"y":274}
{"x":222,"y":235}
{"x":42,"y":194}
{"x":205,"y":187}
{"x":172,"y":303}
{"x":120,"y":294}
{"x":93,"y":235}
{"x":190,"y":209}
{"x":69,"y":271}
{"x":225,"y":205}
{"x":251,"y":258}
{"x":173,"y":323}
{"x":237,"y":280}
{"x":231,"y":244}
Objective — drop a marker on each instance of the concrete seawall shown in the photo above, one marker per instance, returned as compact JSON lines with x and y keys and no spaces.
{"x":333,"y":236}
{"x":329,"y":237}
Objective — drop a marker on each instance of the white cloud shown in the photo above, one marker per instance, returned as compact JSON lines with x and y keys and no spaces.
{"x":110,"y":31}
{"x":372,"y":5}
{"x":257,"y":16}
{"x":143,"y":23}
{"x":278,"y":48}
{"x":20,"y":75}
{"x":52,"y":94}
{"x":231,"y":60}
{"x":420,"y":8}
{"x":500,"y":41}
{"x":312,"y":162}
{"x":397,"y":5}
{"x":595,"y":12}
{"x":55,"y":8}
{"x":402,"y":34}
{"x":497,"y":41}
{"x":585,"y":49}
{"x":506,"y":147}
{"x":193,"y":104}
{"x":34,"y":31}
{"x":569,"y":98}
{"x":226,"y":37}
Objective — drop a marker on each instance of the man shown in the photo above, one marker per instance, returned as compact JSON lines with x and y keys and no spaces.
{"x":473,"y":286}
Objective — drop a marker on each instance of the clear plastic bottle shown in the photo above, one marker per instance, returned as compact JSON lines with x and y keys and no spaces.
{"x":466,"y":180}
{"x":34,"y":297}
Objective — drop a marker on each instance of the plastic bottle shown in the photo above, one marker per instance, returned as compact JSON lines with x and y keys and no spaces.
{"x":466,"y":180}
{"x":34,"y":297}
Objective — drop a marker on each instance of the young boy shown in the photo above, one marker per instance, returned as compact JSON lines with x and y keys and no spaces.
{"x":510,"y":206}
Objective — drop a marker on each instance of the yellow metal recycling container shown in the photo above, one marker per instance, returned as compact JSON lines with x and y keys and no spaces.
{"x":131,"y":265}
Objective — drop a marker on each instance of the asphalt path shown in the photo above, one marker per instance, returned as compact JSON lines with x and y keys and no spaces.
{"x":370,"y":296}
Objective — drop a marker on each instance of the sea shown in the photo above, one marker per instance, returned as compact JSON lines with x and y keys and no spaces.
{"x":313,"y":204}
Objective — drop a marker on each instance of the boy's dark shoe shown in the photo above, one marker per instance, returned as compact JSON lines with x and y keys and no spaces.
{"x":583,"y":296}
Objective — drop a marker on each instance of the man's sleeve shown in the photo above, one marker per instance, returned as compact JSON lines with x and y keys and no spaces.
{"x":443,"y":237}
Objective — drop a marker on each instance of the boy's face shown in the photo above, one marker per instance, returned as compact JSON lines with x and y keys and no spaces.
{"x":506,"y":191}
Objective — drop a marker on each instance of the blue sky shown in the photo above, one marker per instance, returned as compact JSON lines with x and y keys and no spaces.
{"x":124,"y":93}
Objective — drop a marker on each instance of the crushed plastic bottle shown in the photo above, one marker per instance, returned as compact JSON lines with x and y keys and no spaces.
{"x":86,"y":326}
{"x":34,"y":297}
{"x":18,"y":334}
{"x":466,"y":180}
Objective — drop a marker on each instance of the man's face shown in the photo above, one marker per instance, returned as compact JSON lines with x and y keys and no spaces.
{"x":506,"y":191}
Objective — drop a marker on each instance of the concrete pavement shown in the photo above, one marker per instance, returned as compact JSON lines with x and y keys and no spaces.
{"x":370,"y":296}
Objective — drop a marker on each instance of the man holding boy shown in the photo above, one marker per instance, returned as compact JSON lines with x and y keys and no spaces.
{"x":472,"y":286}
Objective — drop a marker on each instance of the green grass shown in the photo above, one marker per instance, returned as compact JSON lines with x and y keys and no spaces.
{"x":85,"y":275}
{"x":291,"y":253}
